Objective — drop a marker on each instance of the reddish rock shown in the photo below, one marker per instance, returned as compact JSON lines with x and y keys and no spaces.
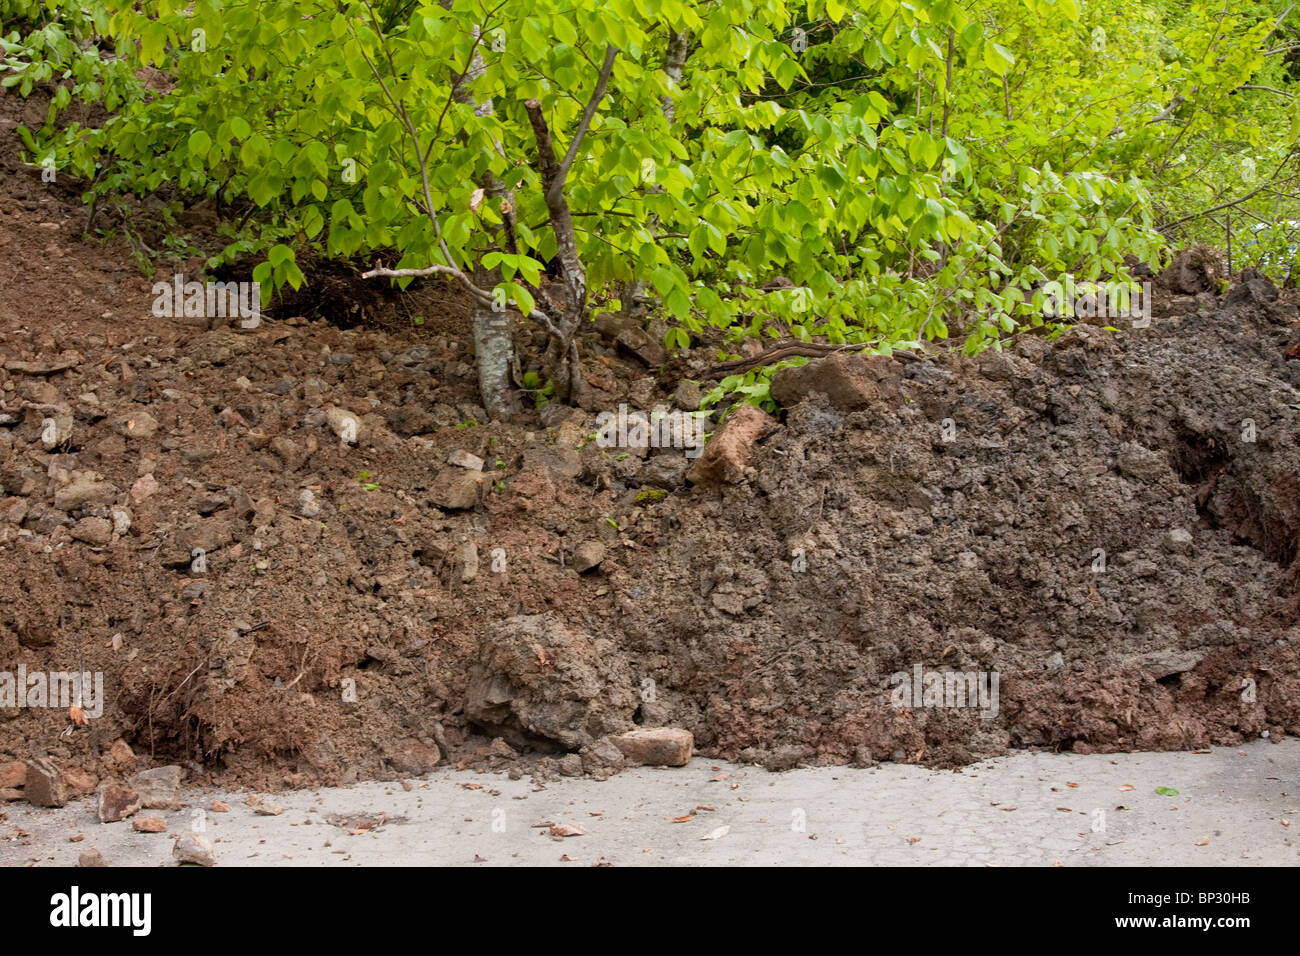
{"x":456,"y":489}
{"x":731,"y":449}
{"x":656,"y":746}
{"x":414,"y":757}
{"x":193,"y":848}
{"x":149,"y":825}
{"x":79,"y":780}
{"x":90,"y":858}
{"x":44,"y":786}
{"x":121,"y":753}
{"x":849,"y":380}
{"x":13,"y":774}
{"x":116,"y":803}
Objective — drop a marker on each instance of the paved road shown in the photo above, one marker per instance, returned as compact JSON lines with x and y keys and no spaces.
{"x":1026,"y":808}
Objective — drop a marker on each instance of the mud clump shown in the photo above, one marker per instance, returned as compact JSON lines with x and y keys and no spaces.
{"x":541,"y":685}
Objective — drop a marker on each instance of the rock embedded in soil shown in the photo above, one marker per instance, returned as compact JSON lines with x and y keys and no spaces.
{"x":731,"y":449}
{"x":537,"y":680}
{"x":849,"y":380}
{"x":587,"y":556}
{"x":145,"y":486}
{"x":43,"y":785}
{"x":656,"y":746}
{"x":194,"y":848}
{"x":83,"y":489}
{"x":307,"y":505}
{"x":159,"y":788}
{"x":456,"y":489}
{"x":467,"y":558}
{"x":463,"y":459}
{"x":115,"y":803}
{"x":93,"y":531}
{"x":343,"y":424}
{"x":149,"y":825}
{"x":1139,"y":462}
{"x":1179,"y":541}
{"x":90,"y":858}
{"x":140,"y":425}
{"x":122,"y":754}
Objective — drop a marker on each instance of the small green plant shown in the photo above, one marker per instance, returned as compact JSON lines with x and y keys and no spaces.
{"x":468,"y":423}
{"x":366,"y":481}
{"x":1167,"y":791}
{"x":651,"y":496}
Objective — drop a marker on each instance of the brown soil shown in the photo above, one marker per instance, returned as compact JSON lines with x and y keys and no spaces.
{"x":975,"y":554}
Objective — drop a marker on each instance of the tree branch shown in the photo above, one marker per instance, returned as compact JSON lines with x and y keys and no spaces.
{"x":557,"y":185}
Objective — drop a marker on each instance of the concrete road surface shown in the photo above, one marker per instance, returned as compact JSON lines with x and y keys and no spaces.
{"x":1232,"y":807}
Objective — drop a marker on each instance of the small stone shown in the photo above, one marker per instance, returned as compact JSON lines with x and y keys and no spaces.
{"x":603,"y":755}
{"x":467,"y":556}
{"x":570,"y":765}
{"x":149,"y":825}
{"x":344,"y":424}
{"x":79,"y":780}
{"x":588,"y":555}
{"x":688,"y":396}
{"x":1179,"y":541}
{"x":1140,"y":462}
{"x":456,"y":489}
{"x":220,"y":806}
{"x":76,"y":836}
{"x":464,"y":459}
{"x":90,"y":858}
{"x":656,"y":746}
{"x":308,"y":507}
{"x":93,"y":531}
{"x":56,"y":431}
{"x":144,"y":486}
{"x":121,"y":753}
{"x":732,"y":447}
{"x":84,"y":489}
{"x":13,"y":774}
{"x":44,"y":786}
{"x":116,"y":803}
{"x":267,"y":808}
{"x":194,"y":848}
{"x":10,"y":793}
{"x":159,"y":788}
{"x":141,"y":425}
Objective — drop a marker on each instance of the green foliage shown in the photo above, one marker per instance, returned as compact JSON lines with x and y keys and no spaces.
{"x":871,"y":173}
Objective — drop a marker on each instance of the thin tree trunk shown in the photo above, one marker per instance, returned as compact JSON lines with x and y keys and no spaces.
{"x":493,"y":345}
{"x":679,"y":48}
